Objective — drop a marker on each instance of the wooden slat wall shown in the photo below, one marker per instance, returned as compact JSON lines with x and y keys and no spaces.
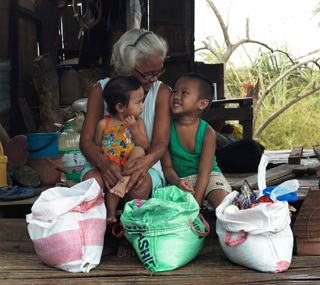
{"x":4,"y":29}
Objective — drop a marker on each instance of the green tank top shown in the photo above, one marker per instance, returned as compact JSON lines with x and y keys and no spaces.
{"x":186,"y":163}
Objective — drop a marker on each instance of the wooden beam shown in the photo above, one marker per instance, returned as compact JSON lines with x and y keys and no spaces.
{"x":295,"y":155}
{"x":27,"y":116}
{"x":271,"y":174}
{"x":316,"y":149}
{"x":4,"y":137}
{"x":14,"y":56}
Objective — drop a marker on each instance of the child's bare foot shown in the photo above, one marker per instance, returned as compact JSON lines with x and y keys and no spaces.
{"x":119,"y":189}
{"x":111,"y":218}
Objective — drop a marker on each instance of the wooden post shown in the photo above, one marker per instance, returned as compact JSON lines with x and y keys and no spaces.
{"x":295,"y":155}
{"x":46,"y":80}
{"x":14,"y":56}
{"x":27,"y":116}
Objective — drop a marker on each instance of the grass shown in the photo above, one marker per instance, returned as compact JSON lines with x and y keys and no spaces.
{"x":300,"y":124}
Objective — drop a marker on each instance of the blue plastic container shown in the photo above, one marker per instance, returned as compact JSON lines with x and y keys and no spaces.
{"x":43,"y":144}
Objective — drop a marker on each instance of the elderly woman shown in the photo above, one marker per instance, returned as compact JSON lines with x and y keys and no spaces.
{"x":138,"y":53}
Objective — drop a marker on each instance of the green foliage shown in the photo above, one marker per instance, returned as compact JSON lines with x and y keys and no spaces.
{"x":300,"y":124}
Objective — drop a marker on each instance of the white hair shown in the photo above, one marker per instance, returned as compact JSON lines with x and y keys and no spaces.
{"x":135,"y":47}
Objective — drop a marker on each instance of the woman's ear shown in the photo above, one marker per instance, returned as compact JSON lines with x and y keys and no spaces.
{"x":203,"y":104}
{"x":120,"y":108}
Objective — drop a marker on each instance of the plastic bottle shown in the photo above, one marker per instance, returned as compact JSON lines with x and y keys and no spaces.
{"x":285,"y":188}
{"x":72,"y":160}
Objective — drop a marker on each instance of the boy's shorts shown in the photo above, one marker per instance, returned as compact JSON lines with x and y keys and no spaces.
{"x":216,"y":181}
{"x":157,"y":177}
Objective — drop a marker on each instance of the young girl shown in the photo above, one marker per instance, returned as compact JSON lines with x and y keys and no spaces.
{"x":189,"y":163}
{"x":122,"y":135}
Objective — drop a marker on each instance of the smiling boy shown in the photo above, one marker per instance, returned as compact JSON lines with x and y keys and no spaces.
{"x":189,"y":162}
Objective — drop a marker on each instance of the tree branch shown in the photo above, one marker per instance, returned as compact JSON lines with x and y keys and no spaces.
{"x":221,"y":22}
{"x":209,"y":47}
{"x":281,"y":110}
{"x":273,"y":84}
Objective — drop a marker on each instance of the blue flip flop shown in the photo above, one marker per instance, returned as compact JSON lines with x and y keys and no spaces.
{"x":17,"y":193}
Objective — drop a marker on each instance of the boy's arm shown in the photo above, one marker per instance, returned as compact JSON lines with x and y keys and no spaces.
{"x":206,"y":162}
{"x":99,"y":132}
{"x":170,"y":174}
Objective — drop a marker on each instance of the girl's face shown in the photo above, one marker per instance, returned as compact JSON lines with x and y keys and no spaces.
{"x":135,"y":106}
{"x":144,"y":72}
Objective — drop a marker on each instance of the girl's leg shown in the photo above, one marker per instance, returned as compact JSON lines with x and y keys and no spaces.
{"x":111,"y":203}
{"x":120,"y":188}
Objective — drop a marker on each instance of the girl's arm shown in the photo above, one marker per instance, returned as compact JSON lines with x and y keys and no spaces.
{"x":205,"y":167}
{"x":138,"y":130}
{"x":99,"y":132}
{"x":170,"y":174}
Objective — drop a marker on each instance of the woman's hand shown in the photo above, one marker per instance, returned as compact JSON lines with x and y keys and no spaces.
{"x":138,"y":169}
{"x":184,"y":185}
{"x":110,"y":172}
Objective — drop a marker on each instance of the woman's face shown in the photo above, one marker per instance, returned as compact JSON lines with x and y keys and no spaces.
{"x":152,"y":67}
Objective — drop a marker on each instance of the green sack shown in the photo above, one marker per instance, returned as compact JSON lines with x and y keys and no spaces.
{"x":166,"y":231}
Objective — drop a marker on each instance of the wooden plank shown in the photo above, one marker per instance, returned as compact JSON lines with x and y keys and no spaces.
{"x":4,"y":137}
{"x":241,"y":101}
{"x":205,"y":269}
{"x":27,"y":116}
{"x":295,"y":155}
{"x":244,"y":113}
{"x":310,"y":169}
{"x":309,"y":211}
{"x":316,"y":149}
{"x":271,"y":174}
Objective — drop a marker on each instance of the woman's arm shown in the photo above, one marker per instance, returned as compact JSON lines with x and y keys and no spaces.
{"x":205,"y":167}
{"x":110,"y":171}
{"x":139,"y":167}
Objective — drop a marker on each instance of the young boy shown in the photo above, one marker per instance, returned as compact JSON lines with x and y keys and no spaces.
{"x":189,"y":162}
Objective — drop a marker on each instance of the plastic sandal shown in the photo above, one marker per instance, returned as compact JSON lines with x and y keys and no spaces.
{"x":17,"y":193}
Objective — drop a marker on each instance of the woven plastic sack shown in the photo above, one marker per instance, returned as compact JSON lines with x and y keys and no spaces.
{"x":166,"y":231}
{"x":259,"y":238}
{"x":67,"y":226}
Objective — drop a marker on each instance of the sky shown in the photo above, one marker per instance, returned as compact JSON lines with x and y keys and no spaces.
{"x":274,"y":22}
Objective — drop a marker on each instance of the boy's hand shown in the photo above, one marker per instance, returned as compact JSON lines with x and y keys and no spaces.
{"x":130,"y":122}
{"x":184,"y":185}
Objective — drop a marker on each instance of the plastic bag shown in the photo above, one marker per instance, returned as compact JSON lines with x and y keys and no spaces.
{"x":259,"y":237}
{"x":67,"y":226}
{"x":166,"y":231}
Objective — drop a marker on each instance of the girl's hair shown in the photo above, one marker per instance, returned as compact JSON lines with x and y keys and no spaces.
{"x":135,"y":47}
{"x":118,"y":90}
{"x":205,"y":87}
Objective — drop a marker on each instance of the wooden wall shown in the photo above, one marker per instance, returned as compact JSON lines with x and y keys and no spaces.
{"x":31,"y":27}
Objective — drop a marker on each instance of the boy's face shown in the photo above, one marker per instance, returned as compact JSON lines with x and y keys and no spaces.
{"x":135,"y":106}
{"x":185,"y":96}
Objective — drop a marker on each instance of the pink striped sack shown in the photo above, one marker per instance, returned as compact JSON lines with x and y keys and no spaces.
{"x":259,"y":238}
{"x":67,"y":226}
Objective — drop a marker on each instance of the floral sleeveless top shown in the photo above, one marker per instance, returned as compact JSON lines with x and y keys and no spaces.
{"x":116,"y":141}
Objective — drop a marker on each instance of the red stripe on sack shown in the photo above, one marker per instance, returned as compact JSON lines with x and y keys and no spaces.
{"x":87,"y":205}
{"x":92,"y":231}
{"x":282,"y":265}
{"x":59,"y":248}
